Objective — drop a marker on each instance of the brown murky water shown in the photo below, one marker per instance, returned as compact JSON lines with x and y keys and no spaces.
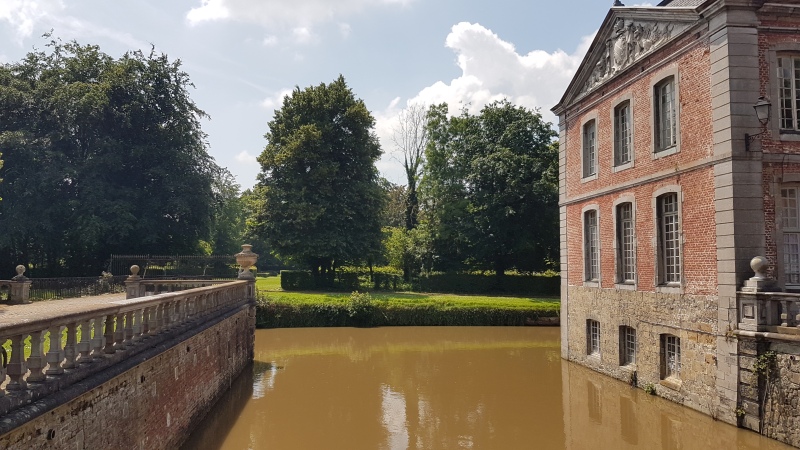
{"x":443,"y":388}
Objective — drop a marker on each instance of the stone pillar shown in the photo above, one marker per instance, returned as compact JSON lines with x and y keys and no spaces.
{"x":133,"y":284}
{"x":20,"y":288}
{"x":759,"y":282}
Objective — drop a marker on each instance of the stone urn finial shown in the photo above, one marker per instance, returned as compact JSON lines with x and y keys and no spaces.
{"x":20,"y":270}
{"x":759,"y":264}
{"x":246,"y":259}
{"x":134,"y":273}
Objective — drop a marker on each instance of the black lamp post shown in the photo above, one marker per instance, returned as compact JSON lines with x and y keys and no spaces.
{"x":762,"y":108}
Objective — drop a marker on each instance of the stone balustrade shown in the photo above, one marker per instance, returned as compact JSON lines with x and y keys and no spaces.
{"x":777,"y":312}
{"x":100,"y":335}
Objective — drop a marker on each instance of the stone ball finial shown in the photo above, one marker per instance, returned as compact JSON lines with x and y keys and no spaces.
{"x":759,"y":264}
{"x":134,"y":270}
{"x":20,"y":270}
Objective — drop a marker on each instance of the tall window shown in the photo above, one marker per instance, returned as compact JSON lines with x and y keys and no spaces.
{"x":790,"y":226}
{"x":592,"y":337}
{"x":789,"y":87}
{"x":591,"y":246}
{"x":669,"y":239}
{"x":627,"y":343}
{"x":622,"y":133}
{"x":589,"y":149}
{"x":671,"y":355}
{"x":626,"y":248}
{"x":665,"y":115}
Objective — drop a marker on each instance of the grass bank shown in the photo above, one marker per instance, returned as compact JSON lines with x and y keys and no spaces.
{"x":282,"y":309}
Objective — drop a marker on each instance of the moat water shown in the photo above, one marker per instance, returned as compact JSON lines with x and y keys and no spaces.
{"x":443,"y":388}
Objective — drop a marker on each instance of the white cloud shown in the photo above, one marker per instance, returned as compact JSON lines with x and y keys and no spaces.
{"x":276,"y":99}
{"x":24,"y":15}
{"x":245,"y":157}
{"x":345,"y":29}
{"x":282,"y":13}
{"x":270,"y":41}
{"x":303,"y":35}
{"x":491,"y":69}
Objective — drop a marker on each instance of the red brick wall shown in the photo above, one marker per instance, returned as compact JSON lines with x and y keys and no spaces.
{"x":695,"y":123}
{"x":152,"y":406}
{"x":699,"y":259}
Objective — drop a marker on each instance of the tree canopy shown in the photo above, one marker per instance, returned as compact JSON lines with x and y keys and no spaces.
{"x":491,"y":185}
{"x":320,"y":187}
{"x":102,"y":155}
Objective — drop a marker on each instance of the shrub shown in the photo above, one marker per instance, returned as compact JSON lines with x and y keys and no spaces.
{"x":296,"y":280}
{"x":360,"y":308}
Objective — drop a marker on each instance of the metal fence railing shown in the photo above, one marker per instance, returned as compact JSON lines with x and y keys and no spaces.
{"x":57,"y":288}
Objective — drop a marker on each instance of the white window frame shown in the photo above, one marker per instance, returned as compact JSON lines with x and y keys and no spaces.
{"x":590,"y":229}
{"x":788,"y":92}
{"x":593,"y":337}
{"x":672,"y":281}
{"x":668,"y":76}
{"x":621,"y":246}
{"x":622,"y":135}
{"x":789,"y":220}
{"x":776,"y":51}
{"x":589,"y":142}
{"x":627,"y":345}
{"x":670,"y":356}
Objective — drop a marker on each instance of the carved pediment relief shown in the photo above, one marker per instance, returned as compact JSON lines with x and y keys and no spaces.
{"x":630,"y":40}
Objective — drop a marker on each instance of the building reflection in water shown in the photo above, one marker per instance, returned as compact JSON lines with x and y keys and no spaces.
{"x":601,"y":412}
{"x":444,"y":388}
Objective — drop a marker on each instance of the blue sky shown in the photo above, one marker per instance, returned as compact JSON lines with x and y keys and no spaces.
{"x":244,"y":55}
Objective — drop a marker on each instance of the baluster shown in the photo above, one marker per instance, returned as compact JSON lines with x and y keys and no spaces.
{"x":137,"y":324}
{"x":3,"y":364}
{"x":98,"y":339}
{"x":119,"y":332}
{"x":109,"y":335}
{"x":178,"y":312}
{"x":145,"y":328}
{"x":70,"y":353}
{"x":36,"y":361}
{"x":784,"y":313}
{"x":158,"y":312}
{"x":128,"y":331}
{"x":16,"y":366}
{"x":167,"y":316}
{"x":55,"y":355}
{"x":85,"y":345}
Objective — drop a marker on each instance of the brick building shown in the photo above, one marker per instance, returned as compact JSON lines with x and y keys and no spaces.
{"x":670,"y":184}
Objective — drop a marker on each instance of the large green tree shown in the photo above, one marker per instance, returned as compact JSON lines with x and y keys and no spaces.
{"x":321,"y":191}
{"x":102,"y":155}
{"x":491,"y":184}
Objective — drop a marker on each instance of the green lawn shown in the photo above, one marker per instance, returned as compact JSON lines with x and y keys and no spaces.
{"x":279,"y":308}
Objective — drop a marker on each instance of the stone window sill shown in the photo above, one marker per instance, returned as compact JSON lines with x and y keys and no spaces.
{"x":666,"y":152}
{"x":621,"y":167}
{"x":671,"y":383}
{"x":589,"y":178}
{"x":594,"y":284}
{"x":626,"y":286}
{"x":669,"y":289}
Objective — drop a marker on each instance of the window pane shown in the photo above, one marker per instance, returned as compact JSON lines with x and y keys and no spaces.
{"x":670,"y":238}
{"x":622,"y":134}
{"x":666,"y":115}
{"x":789,"y":211}
{"x":626,"y":247}
{"x":672,"y":355}
{"x":591,"y":246}
{"x":628,"y":341}
{"x":791,"y":257}
{"x":589,"y":149}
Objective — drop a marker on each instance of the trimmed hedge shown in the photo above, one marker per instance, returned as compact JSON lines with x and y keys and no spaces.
{"x":297,"y":280}
{"x":446,"y":283}
{"x":361,"y":312}
{"x":457,"y":283}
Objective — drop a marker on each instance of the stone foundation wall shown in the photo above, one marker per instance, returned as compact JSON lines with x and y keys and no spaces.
{"x":152,"y":404}
{"x":692,"y":318}
{"x":771,"y":407}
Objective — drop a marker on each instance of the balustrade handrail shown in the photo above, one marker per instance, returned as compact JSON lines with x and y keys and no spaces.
{"x":100,"y":335}
{"x":121,"y":306}
{"x":777,"y":312}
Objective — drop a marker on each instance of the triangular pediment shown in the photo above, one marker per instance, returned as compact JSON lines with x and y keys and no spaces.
{"x":627,"y":36}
